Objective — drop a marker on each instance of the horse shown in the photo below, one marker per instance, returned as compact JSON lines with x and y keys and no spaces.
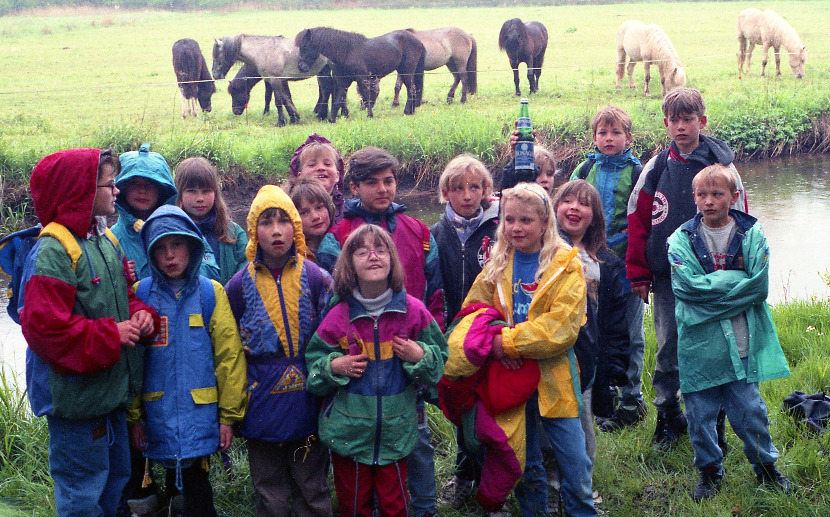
{"x":524,"y":42}
{"x":771,"y":30}
{"x":195,"y":82}
{"x":274,"y":57}
{"x":247,"y":77}
{"x":356,"y":58}
{"x":454,"y":48}
{"x":651,"y":45}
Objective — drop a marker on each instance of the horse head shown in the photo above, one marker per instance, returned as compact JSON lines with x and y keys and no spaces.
{"x":308,"y":50}
{"x":240,"y":94}
{"x":206,"y":91}
{"x":512,"y":36}
{"x":797,"y":62}
{"x":676,"y":78}
{"x":224,"y":56}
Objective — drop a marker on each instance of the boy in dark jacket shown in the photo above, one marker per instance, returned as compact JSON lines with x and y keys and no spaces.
{"x":660,"y":202}
{"x":82,"y":322}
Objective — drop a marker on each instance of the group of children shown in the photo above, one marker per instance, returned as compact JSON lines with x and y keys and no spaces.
{"x":327,"y":339}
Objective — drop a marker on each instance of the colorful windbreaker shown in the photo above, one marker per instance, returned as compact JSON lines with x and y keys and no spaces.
{"x":556,"y":313}
{"x":707,"y":353}
{"x":277,"y":312}
{"x":230,"y":257}
{"x":372,"y":419}
{"x":75,"y":364}
{"x":415,"y":244}
{"x":194,"y":371}
{"x":147,"y":165}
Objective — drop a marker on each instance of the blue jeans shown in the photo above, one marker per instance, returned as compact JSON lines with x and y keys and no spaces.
{"x":568,"y":442}
{"x":631,"y":394}
{"x":89,"y":460}
{"x":421,"y":469}
{"x":747,"y":414}
{"x":666,"y":381}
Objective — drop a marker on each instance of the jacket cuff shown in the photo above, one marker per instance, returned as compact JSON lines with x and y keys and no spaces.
{"x":508,"y":344}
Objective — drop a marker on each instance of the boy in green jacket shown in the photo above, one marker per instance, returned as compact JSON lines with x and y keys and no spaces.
{"x":727,"y":341}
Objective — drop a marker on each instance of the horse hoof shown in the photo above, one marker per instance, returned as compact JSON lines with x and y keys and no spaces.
{"x":450,"y":99}
{"x":395,"y":104}
{"x":280,"y":123}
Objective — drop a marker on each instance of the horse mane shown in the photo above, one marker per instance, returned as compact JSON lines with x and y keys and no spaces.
{"x":230,"y":46}
{"x":510,"y":27}
{"x":662,"y":49}
{"x":335,"y":42}
{"x":781,"y":32}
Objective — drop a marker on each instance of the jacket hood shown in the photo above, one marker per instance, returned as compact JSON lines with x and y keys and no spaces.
{"x":271,"y":196}
{"x":63,"y":188}
{"x":172,"y":220}
{"x":722,"y":153}
{"x":145,"y":164}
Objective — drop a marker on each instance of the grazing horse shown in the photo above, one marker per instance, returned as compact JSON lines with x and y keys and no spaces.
{"x":454,"y":48}
{"x":651,"y":45}
{"x":195,"y":82}
{"x":273,"y":57}
{"x":524,"y":42}
{"x":356,"y":58}
{"x":770,"y":30}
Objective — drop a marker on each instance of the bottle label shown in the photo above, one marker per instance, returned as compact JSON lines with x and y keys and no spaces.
{"x":524,"y":156}
{"x":523,"y":123}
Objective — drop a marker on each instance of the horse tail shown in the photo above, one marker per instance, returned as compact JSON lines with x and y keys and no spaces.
{"x":472,"y":68}
{"x":418,"y":80}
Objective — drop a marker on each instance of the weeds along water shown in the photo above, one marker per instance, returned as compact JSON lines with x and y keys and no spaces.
{"x":633,"y":478}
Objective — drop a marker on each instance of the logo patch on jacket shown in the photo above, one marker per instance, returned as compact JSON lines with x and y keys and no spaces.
{"x":161,"y":338}
{"x":292,"y":380}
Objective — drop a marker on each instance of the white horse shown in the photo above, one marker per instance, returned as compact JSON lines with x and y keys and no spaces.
{"x":651,"y":45}
{"x":770,"y":30}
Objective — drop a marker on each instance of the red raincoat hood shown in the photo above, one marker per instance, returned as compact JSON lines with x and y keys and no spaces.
{"x":63,"y":188}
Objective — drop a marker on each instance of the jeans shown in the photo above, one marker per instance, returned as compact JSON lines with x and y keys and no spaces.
{"x":89,"y":459}
{"x":631,"y":394}
{"x":568,"y":442}
{"x":421,"y":468}
{"x":666,"y":380}
{"x":747,"y":414}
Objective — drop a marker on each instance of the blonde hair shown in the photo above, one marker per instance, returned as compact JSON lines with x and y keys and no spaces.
{"x":543,"y":156}
{"x":715,"y":174}
{"x":457,"y":168}
{"x":317,"y":149}
{"x":345,"y":275}
{"x":611,"y":115}
{"x":530,"y":195}
{"x":198,"y":172}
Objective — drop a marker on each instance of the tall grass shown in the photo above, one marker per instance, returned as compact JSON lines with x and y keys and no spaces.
{"x":633,"y":478}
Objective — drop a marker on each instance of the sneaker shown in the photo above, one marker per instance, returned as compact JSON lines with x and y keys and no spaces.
{"x":769,"y":475}
{"x":669,"y":428}
{"x":708,"y":484}
{"x":721,"y":429}
{"x":624,"y":416}
{"x":456,"y":493}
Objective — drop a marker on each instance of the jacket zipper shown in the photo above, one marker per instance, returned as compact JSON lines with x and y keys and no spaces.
{"x":291,"y":350}
{"x":378,"y":396}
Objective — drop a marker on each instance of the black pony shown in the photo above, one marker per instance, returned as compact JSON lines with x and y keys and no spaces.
{"x":193,"y":76}
{"x":354,"y":57}
{"x":524,"y":42}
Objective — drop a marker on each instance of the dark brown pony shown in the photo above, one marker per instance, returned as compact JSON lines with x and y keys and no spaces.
{"x":524,"y":42}
{"x":193,"y":76}
{"x":356,"y":58}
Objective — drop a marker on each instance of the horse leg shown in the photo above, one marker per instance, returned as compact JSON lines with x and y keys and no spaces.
{"x":741,"y":55}
{"x":647,"y":69}
{"x":514,"y":64}
{"x":184,"y":104}
{"x":766,"y":56}
{"x":411,"y":94}
{"x":620,"y":67}
{"x":777,"y":60}
{"x":531,"y":76}
{"x":338,"y":99}
{"x":631,"y":65}
{"x":749,"y":50}
{"x":458,"y":77}
{"x":285,"y":93}
{"x":269,"y":92}
{"x":398,"y":84}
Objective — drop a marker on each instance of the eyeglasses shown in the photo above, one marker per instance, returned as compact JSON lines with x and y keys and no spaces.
{"x":110,"y":185}
{"x":363,"y":253}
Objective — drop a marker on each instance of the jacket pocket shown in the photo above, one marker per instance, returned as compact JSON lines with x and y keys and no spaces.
{"x":209,"y":395}
{"x":150,"y":397}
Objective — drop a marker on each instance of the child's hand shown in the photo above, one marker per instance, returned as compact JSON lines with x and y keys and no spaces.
{"x":225,"y":437}
{"x":350,"y":365}
{"x":641,"y":289}
{"x":497,"y":351}
{"x":407,"y":350}
{"x":144,"y":321}
{"x":137,"y":437}
{"x":128,"y":332}
{"x":131,"y":269}
{"x":514,"y":139}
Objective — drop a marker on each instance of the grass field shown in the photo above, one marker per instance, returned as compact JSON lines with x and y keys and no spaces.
{"x":105,"y":78}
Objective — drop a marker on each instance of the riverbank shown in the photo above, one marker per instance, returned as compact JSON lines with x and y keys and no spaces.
{"x":133,"y":98}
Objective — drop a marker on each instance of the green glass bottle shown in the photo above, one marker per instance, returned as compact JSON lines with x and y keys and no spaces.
{"x":524,"y":164}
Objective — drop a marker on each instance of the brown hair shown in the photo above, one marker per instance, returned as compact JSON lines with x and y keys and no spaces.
{"x":107,"y":157}
{"x":198,"y":172}
{"x":714,"y":174}
{"x":345,"y":276}
{"x":683,"y":101}
{"x":594,"y":238}
{"x":369,"y":160}
{"x":611,"y":115}
{"x":542,"y":155}
{"x":304,"y":188}
{"x":455,"y":170}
